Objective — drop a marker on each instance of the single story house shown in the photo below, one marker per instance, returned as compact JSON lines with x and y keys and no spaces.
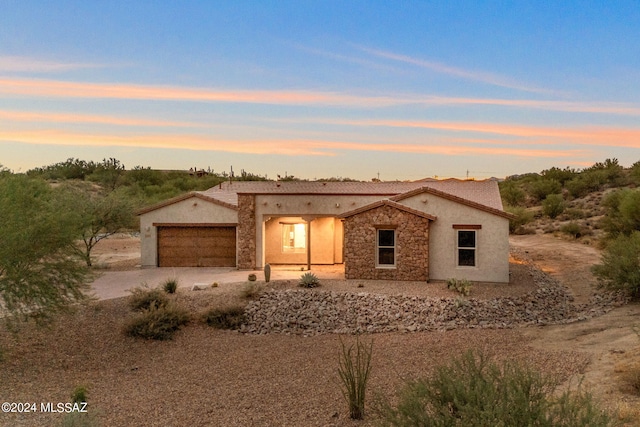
{"x":420,"y":230}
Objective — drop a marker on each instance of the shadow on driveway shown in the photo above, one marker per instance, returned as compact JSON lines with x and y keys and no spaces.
{"x":115,"y":284}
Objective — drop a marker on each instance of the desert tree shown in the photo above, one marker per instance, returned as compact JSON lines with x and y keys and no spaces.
{"x":40,"y":272}
{"x":97,"y":214}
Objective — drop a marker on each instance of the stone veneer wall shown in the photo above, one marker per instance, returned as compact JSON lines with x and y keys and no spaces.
{"x":246,"y":242}
{"x":412,"y":245}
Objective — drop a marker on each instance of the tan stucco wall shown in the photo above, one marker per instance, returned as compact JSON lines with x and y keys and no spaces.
{"x":323,"y":246}
{"x":317,"y":206}
{"x":189,"y":211}
{"x":492,"y":240}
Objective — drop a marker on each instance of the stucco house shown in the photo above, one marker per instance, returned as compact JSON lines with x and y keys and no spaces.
{"x":421,"y":230}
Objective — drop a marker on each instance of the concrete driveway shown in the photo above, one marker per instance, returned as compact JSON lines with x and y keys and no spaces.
{"x":115,"y":284}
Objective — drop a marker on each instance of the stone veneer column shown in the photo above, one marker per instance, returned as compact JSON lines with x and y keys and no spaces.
{"x":246,"y":231}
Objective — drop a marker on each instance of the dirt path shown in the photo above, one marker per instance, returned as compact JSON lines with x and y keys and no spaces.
{"x":610,"y":339}
{"x":567,"y":261}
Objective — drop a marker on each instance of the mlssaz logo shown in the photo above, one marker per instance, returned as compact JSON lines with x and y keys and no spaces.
{"x":63,"y":407}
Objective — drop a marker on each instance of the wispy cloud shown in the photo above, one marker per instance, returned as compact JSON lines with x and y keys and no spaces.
{"x":478,"y":76}
{"x":290,"y":147}
{"x":62,"y":89}
{"x":24,"y":116}
{"x":69,"y":89}
{"x":586,"y":135}
{"x":32,"y":65}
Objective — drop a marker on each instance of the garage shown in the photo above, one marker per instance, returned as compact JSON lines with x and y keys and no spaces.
{"x":196,"y":246}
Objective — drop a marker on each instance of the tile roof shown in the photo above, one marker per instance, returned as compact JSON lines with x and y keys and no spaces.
{"x":485,"y":192}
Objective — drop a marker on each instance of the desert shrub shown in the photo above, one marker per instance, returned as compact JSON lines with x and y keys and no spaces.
{"x":170,"y":286}
{"x":573,"y":229}
{"x":541,"y":188}
{"x":309,"y":280}
{"x":622,"y":212}
{"x":474,"y":391}
{"x":553,"y":205}
{"x":635,"y":172}
{"x":79,"y":394}
{"x":522,"y":217}
{"x":587,"y":182}
{"x":225,"y":318}
{"x":620,"y":265}
{"x":463,"y":287}
{"x":157,"y":322}
{"x":560,"y":175}
{"x":354,"y":367}
{"x":250,"y":290}
{"x":511,"y":193}
{"x":574,"y":213}
{"x":610,"y":171}
{"x":76,"y":418}
{"x":143,"y":298}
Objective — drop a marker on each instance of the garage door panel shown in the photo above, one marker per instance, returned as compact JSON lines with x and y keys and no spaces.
{"x":205,"y":246}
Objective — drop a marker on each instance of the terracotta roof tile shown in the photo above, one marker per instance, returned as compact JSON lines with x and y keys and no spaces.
{"x":482,"y":192}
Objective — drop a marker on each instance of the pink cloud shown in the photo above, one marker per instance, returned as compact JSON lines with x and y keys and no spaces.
{"x":24,"y":116}
{"x":295,"y":147}
{"x":63,"y":89}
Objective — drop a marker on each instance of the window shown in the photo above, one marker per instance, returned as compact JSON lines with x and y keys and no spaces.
{"x":466,"y":248}
{"x":386,"y":248}
{"x":294,"y":238}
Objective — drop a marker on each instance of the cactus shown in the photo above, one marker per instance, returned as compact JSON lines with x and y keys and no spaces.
{"x":267,"y":273}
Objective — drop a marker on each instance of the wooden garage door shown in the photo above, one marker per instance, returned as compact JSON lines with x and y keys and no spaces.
{"x":200,"y":246}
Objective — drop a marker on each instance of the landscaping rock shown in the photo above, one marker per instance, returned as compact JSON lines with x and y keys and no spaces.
{"x":319,"y":312}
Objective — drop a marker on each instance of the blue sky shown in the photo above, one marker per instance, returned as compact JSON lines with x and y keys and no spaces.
{"x":318,"y":89}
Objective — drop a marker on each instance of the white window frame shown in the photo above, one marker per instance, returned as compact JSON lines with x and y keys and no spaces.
{"x":467,"y":248}
{"x":378,"y":247}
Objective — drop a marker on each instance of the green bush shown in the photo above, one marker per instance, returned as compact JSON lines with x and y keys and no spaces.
{"x":635,"y":172}
{"x":474,"y":391}
{"x":541,"y":188}
{"x":623,"y":212}
{"x":309,"y":280}
{"x":79,"y":395}
{"x":225,"y":318}
{"x":157,"y":322}
{"x":144,"y":298}
{"x":553,"y":205}
{"x":588,"y":181}
{"x":573,"y":229}
{"x":354,"y":368}
{"x":620,"y":265}
{"x":79,"y":419}
{"x":511,"y":193}
{"x":560,"y":175}
{"x":463,"y":287}
{"x":522,"y":217}
{"x":170,"y":286}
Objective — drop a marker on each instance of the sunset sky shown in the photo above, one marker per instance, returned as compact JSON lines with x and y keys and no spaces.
{"x":318,"y":89}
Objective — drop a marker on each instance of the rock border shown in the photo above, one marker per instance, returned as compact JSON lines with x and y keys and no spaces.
{"x":311,"y":312}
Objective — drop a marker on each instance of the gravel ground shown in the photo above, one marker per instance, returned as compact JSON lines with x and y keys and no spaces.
{"x":207,"y":377}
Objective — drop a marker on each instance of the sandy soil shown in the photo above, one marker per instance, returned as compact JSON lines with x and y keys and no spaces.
{"x":209,"y":377}
{"x":610,"y":341}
